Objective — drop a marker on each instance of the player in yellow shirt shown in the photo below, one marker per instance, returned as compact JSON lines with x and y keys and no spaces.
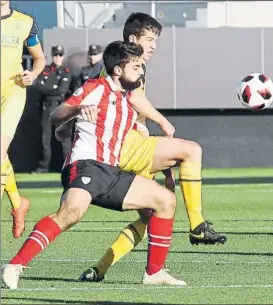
{"x":145,"y":155}
{"x":17,"y":29}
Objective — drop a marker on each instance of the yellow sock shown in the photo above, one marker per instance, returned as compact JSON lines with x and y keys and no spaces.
{"x":129,"y":238}
{"x":4,"y":163}
{"x":191,"y":183}
{"x":11,"y":187}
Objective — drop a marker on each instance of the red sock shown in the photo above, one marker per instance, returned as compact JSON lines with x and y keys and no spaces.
{"x":159,"y":241}
{"x":44,"y":232}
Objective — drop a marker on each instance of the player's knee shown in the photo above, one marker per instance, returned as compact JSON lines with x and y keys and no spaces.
{"x":170,"y":204}
{"x":193,"y":151}
{"x":167,"y":203}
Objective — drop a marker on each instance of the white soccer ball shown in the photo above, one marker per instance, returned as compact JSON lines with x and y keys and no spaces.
{"x":256,"y":91}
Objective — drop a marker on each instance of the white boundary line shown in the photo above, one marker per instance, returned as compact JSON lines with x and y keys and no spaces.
{"x":83,"y":260}
{"x":143,"y":287}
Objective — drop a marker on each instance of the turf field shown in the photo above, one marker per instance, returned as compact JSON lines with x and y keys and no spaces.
{"x":239,"y":272}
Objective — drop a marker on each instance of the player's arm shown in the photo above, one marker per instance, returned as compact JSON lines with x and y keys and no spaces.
{"x":64,"y":131}
{"x":74,"y":106}
{"x":36,"y":51}
{"x":63,"y":114}
{"x":143,"y":106}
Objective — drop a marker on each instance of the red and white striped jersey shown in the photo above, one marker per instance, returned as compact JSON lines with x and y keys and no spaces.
{"x":101,"y":141}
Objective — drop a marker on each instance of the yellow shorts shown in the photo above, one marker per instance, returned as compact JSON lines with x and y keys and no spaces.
{"x":13,"y":102}
{"x":137,"y":154}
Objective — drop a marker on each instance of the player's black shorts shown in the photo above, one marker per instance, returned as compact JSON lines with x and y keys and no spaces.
{"x":108,"y":185}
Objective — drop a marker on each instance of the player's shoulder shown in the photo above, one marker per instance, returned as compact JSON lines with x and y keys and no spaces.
{"x":91,"y":82}
{"x":21,"y":16}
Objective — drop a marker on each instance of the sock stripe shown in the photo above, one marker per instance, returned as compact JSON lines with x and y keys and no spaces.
{"x":37,"y":240}
{"x":162,"y":237}
{"x":43,"y":235}
{"x":189,"y":180}
{"x":132,"y":227}
{"x":159,"y":245}
{"x":162,"y":241}
{"x":37,"y":235}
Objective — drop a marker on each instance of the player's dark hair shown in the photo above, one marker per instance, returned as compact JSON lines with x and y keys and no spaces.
{"x":120,"y":53}
{"x":137,"y":23}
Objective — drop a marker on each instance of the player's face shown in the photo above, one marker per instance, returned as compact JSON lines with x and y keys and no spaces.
{"x":131,"y":74}
{"x":148,"y":42}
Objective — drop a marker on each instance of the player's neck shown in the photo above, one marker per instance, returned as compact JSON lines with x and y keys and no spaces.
{"x":5,"y":10}
{"x":118,"y":84}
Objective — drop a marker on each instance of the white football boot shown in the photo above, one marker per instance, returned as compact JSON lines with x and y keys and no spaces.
{"x":10,"y":274}
{"x":162,"y":277}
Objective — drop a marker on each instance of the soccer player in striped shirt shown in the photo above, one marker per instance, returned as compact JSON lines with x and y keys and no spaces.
{"x":91,"y":173}
{"x":146,"y":155}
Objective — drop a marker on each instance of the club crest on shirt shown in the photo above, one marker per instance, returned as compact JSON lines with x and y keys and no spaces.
{"x":86,"y":180}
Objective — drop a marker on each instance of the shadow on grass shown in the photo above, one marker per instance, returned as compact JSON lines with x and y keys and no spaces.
{"x":60,"y":279}
{"x":56,"y":301}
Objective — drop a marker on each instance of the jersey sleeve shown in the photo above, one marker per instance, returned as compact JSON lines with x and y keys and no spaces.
{"x":32,"y":39}
{"x":80,"y":95}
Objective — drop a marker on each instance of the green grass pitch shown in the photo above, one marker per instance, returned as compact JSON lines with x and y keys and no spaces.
{"x":239,"y":272}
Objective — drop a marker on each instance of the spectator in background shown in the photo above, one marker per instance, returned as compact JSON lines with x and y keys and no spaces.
{"x":54,"y":84}
{"x":95,"y":66}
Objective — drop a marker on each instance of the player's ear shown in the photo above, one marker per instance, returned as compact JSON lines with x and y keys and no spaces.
{"x":117,"y":71}
{"x":132,"y":38}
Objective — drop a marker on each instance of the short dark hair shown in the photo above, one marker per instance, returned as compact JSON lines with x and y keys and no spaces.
{"x":137,"y":23}
{"x":119,"y":53}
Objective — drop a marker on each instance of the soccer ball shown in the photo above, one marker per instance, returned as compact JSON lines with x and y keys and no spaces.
{"x":256,"y":91}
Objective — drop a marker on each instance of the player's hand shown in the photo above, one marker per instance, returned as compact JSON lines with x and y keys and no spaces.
{"x":28,"y":77}
{"x":89,"y":113}
{"x":168,"y":128}
{"x":169,"y":179}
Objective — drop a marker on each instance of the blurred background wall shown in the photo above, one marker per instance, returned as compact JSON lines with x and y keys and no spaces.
{"x":206,"y":48}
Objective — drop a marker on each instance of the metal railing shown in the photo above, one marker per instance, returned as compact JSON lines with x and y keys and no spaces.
{"x":61,"y":10}
{"x":227,"y":10}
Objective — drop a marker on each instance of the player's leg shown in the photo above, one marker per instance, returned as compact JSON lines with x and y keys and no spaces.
{"x":12,"y":111}
{"x":45,"y":231}
{"x":11,"y":187}
{"x":127,"y":240}
{"x":147,"y":194}
{"x":136,"y":155}
{"x":5,"y":142}
{"x":20,"y":205}
{"x":130,"y":192}
{"x":189,"y":154}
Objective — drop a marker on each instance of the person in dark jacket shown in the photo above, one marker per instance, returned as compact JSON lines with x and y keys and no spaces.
{"x":95,"y":66}
{"x":54,"y":85}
